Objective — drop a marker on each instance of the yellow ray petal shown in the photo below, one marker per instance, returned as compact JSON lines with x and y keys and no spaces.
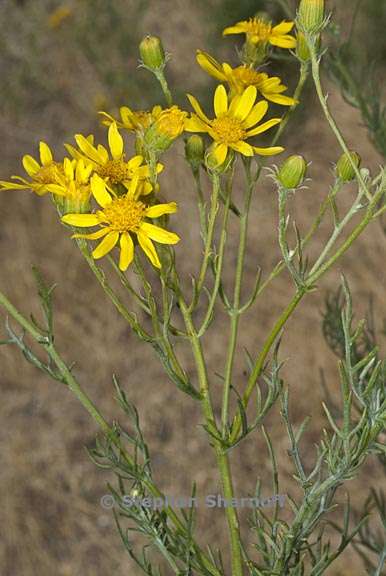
{"x":232,"y":30}
{"x":245,"y":103}
{"x":263,"y":127}
{"x":13,"y":186}
{"x":148,"y":247}
{"x":55,"y":189}
{"x":280,"y":99}
{"x":30,"y":165}
{"x":135,"y":162}
{"x":115,"y":142}
{"x":220,"y":152}
{"x":104,"y":155}
{"x":220,"y":101}
{"x":87,"y":148}
{"x":99,"y":191}
{"x":243,"y":147}
{"x":283,"y":28}
{"x":127,"y":251}
{"x":73,"y":151}
{"x":268,"y":151}
{"x":283,"y":41}
{"x":107,"y":244}
{"x":257,"y":113}
{"x":160,"y":209}
{"x":210,"y":65}
{"x":94,"y":235}
{"x":159,"y":234}
{"x":45,"y":154}
{"x":195,"y":124}
{"x":107,"y":119}
{"x":197,"y":108}
{"x":81,"y":220}
{"x":68,"y":166}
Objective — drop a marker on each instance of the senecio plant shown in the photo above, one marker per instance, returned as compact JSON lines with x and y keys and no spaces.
{"x":108,"y":198}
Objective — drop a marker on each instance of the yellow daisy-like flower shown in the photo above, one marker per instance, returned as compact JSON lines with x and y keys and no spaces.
{"x":111,"y":164}
{"x":234,"y":123}
{"x":169,"y":125}
{"x":132,"y":120}
{"x":43,"y":174}
{"x":243,"y":76}
{"x":120,"y":218}
{"x":72,"y":188}
{"x":259,"y":31}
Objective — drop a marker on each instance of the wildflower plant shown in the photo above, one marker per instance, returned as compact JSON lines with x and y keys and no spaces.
{"x":111,"y":200}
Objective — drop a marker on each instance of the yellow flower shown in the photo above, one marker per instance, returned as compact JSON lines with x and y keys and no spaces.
{"x":111,"y":164}
{"x":120,"y":218}
{"x":72,"y":188}
{"x":167,"y":127}
{"x":234,"y":123}
{"x":41,"y":175}
{"x":259,"y":31}
{"x":132,"y":120}
{"x":243,"y":76}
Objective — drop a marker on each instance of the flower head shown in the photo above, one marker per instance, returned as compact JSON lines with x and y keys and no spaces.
{"x":132,"y":120}
{"x":72,"y":188}
{"x":235,"y":122}
{"x":111,"y":164}
{"x":243,"y":76}
{"x":261,"y":31}
{"x":167,"y":127}
{"x":120,"y":218}
{"x":41,"y":175}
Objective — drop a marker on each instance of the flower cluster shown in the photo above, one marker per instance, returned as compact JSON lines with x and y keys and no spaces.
{"x":107,"y":187}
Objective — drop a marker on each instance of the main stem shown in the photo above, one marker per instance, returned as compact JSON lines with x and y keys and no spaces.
{"x":221,"y":455}
{"x":235,"y":312}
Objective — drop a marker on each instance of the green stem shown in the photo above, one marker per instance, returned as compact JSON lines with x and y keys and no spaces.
{"x":280,"y":266}
{"x":219,"y":267}
{"x":222,"y":457}
{"x":304,"y":71}
{"x":315,"y":65}
{"x":208,"y":240}
{"x":235,"y":311}
{"x":165,"y":87}
{"x":336,"y":233}
{"x":125,"y":313}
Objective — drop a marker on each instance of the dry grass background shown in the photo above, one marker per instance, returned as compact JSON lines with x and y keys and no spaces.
{"x":52,"y":523}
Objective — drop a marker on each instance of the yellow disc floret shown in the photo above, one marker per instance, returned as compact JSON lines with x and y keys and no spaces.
{"x":124,"y":214}
{"x":228,"y":129}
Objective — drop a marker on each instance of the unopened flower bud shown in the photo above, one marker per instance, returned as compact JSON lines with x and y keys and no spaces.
{"x":152,"y":52}
{"x":292,"y":172}
{"x":302,"y":50}
{"x":195,"y":150}
{"x":344,"y":167}
{"x":311,"y":14}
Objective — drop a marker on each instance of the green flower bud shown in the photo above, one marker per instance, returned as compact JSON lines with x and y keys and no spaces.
{"x":152,"y":52}
{"x":292,"y":172}
{"x":344,"y":168}
{"x":311,"y":14}
{"x":195,"y":150}
{"x":302,"y":51}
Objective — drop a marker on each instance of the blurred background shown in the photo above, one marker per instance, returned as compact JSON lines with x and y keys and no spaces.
{"x":60,"y":63}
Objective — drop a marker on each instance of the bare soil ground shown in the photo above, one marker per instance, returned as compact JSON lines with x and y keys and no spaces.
{"x":52,"y":522}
